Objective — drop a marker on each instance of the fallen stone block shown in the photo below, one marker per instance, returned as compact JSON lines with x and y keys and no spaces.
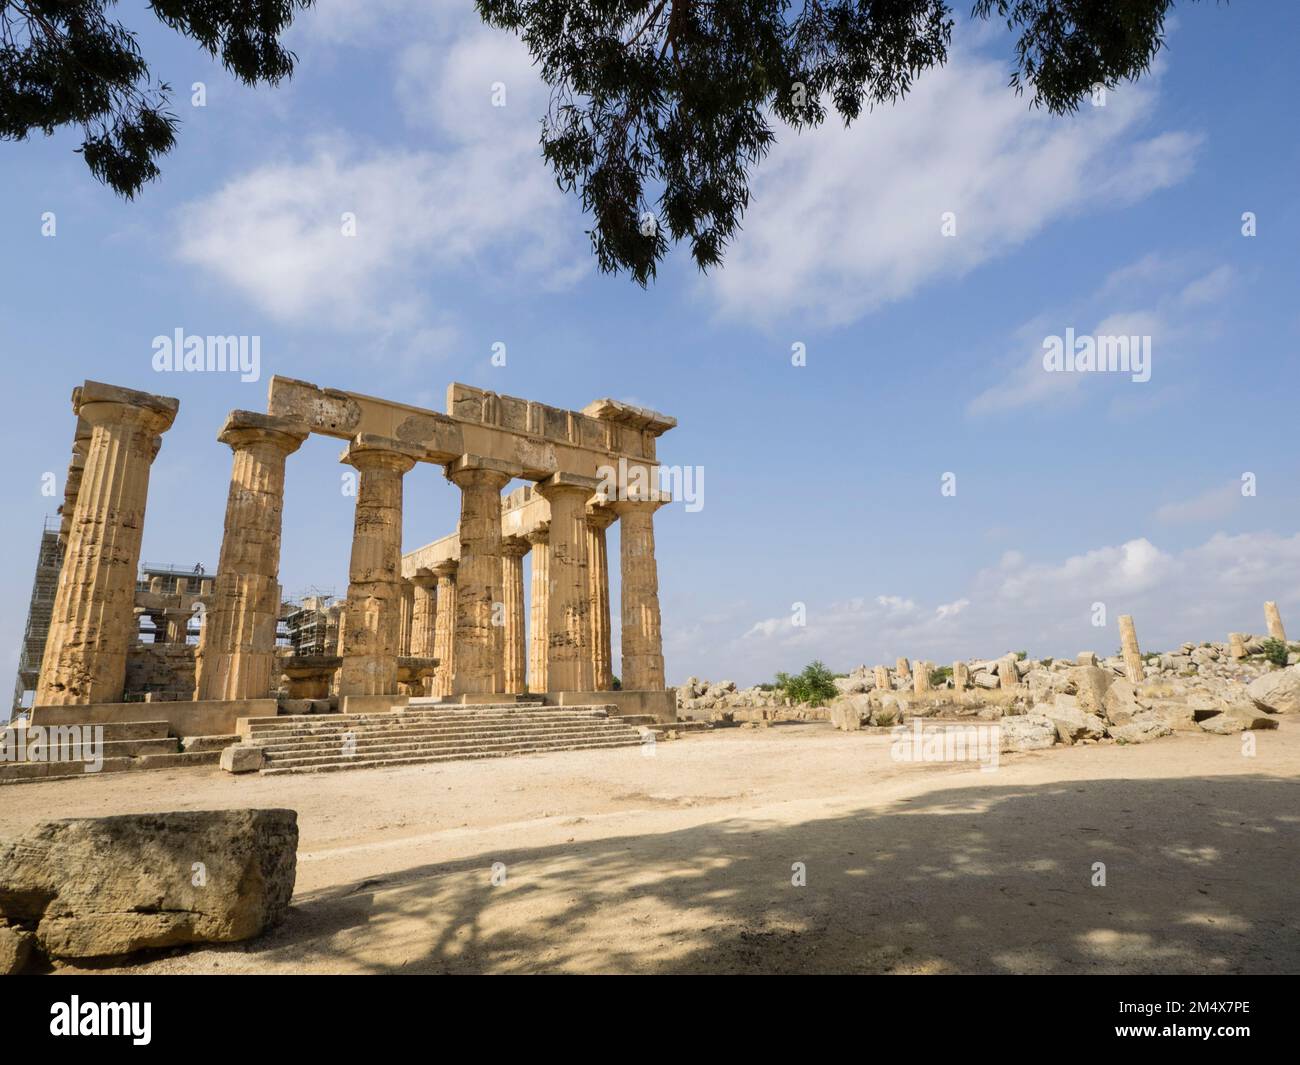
{"x":1091,"y":684}
{"x":242,"y":758}
{"x":1141,"y":729}
{"x":1238,"y":719}
{"x":1120,"y":704}
{"x":1277,"y":692}
{"x":1071,"y":722}
{"x":100,"y":886}
{"x":1026,"y":732}
{"x":15,"y":949}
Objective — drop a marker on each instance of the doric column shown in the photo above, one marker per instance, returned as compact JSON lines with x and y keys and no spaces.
{"x":599,"y":518}
{"x":477,"y":667}
{"x":93,"y":624}
{"x":406,"y":637}
{"x":1236,"y":645}
{"x":960,"y":676}
{"x":373,"y":613}
{"x":1128,"y":643}
{"x":178,"y":625}
{"x":444,"y":631}
{"x":1008,"y":671}
{"x":921,"y":678}
{"x":882,"y":678}
{"x":903,"y":670}
{"x":1273,"y":619}
{"x":539,"y":539}
{"x":513,"y":549}
{"x":424,"y":613}
{"x":72,"y":483}
{"x":236,"y":656}
{"x":568,"y":606}
{"x":643,"y":653}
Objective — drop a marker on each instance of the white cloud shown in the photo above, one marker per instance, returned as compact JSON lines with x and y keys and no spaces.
{"x":1178,"y":317}
{"x":480,"y":200}
{"x":844,"y":221}
{"x":1201,"y":592}
{"x":1211,"y":505}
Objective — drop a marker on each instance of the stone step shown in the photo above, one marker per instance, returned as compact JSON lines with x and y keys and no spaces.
{"x":30,"y":772}
{"x":372,"y":734}
{"x":132,"y":748}
{"x":127,"y":730}
{"x":400,"y":721}
{"x":278,"y":752}
{"x":381,"y":762}
{"x":483,"y":712}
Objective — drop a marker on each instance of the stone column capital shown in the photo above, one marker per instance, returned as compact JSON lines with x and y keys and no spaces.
{"x":515,"y":546}
{"x":475,"y":471}
{"x":600,"y":515}
{"x":99,"y":404}
{"x":245,"y":428}
{"x":367,"y":451}
{"x":567,"y":484}
{"x":423,"y":578}
{"x":624,"y":507}
{"x":446,"y":570}
{"x":539,"y":534}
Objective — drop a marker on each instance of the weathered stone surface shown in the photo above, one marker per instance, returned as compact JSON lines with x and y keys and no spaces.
{"x":242,"y":758}
{"x":1119,"y":705}
{"x":1026,"y":732}
{"x":1091,"y":684}
{"x":1179,"y":716}
{"x":850,"y":712}
{"x":1071,"y":722}
{"x":15,"y":949}
{"x":1277,"y":692}
{"x":99,"y":886}
{"x":1142,"y":728}
{"x":1238,"y":719}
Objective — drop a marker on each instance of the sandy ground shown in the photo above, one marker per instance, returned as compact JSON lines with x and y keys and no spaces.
{"x":682,"y":861}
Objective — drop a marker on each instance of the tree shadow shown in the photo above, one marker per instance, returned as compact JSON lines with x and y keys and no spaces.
{"x":1199,"y":877}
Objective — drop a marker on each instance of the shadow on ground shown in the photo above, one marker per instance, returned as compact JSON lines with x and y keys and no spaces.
{"x":1200,"y":877}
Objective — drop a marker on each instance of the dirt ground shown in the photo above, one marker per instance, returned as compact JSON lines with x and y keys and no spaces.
{"x":682,"y":861}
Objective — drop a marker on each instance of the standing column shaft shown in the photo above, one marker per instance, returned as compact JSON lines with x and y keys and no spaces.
{"x":406,"y":618}
{"x":643,"y":655}
{"x":372,"y":619}
{"x":882,"y":678}
{"x":478,"y":580}
{"x":424,"y":614}
{"x":514,"y":659}
{"x":1128,"y":642}
{"x":236,"y":655}
{"x":93,"y":624}
{"x":568,"y":607}
{"x":539,"y":608}
{"x":1273,"y":619}
{"x":598,"y":520}
{"x":444,"y":633}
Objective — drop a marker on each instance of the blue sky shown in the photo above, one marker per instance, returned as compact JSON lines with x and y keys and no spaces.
{"x":822,"y":482}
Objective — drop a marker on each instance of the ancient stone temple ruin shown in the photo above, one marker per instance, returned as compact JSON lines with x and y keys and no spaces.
{"x":444,"y":623}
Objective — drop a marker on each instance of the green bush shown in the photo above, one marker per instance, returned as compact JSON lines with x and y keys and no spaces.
{"x":814,"y":685}
{"x":939,"y":677}
{"x":1021,"y":655}
{"x":1275,"y":651}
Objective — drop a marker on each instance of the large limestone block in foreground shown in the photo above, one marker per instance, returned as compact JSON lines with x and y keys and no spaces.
{"x":97,"y":886}
{"x":1278,"y":692}
{"x":1026,"y":732}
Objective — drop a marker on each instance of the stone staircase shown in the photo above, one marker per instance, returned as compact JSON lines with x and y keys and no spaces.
{"x":127,"y":745}
{"x":426,"y":731}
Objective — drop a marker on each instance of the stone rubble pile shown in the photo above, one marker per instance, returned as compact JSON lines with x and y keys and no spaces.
{"x":1212,"y":687}
{"x":723,"y":702}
